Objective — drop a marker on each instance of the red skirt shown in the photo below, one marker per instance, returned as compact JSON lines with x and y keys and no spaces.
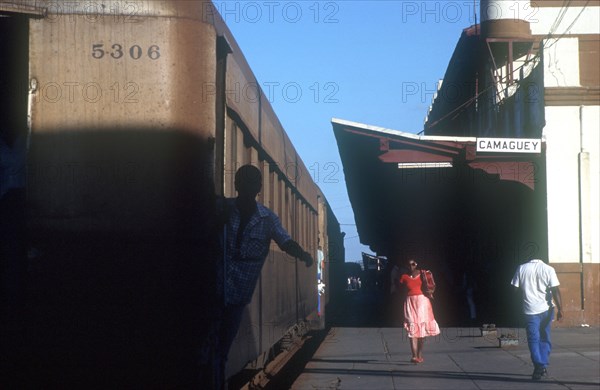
{"x":418,"y":317}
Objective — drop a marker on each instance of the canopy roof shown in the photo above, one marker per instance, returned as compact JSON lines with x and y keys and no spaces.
{"x":402,"y":186}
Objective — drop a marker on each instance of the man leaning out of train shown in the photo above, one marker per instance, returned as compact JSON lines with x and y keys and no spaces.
{"x":248,"y":231}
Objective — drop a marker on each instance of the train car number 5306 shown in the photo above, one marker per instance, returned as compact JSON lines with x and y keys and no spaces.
{"x":116,"y":51}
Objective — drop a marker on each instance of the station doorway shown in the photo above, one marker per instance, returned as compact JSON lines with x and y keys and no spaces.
{"x":481,"y":230}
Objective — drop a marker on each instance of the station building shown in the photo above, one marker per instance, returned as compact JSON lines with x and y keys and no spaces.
{"x":506,"y":167}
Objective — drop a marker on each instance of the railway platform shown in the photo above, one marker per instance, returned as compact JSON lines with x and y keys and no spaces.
{"x":366,"y":349}
{"x":459,"y":358}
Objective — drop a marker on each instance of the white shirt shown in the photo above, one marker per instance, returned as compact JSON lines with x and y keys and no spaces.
{"x":535,"y":278}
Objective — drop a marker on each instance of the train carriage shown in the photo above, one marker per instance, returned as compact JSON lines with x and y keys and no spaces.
{"x":133,"y":131}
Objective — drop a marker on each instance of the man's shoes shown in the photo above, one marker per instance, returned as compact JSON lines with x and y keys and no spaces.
{"x":539,"y":373}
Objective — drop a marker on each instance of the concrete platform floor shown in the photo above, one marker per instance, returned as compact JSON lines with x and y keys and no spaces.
{"x":459,"y":358}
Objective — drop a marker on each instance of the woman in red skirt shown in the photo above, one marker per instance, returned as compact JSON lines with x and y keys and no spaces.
{"x":419,"y":321}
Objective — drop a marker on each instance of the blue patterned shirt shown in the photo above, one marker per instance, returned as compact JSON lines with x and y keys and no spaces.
{"x":243,"y":266}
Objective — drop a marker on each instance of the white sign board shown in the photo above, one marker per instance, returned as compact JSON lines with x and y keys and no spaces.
{"x":509,"y":145}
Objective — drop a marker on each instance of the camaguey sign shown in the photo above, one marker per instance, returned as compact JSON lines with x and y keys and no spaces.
{"x":509,"y":145}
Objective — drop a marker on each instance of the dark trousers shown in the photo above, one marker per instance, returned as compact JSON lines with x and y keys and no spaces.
{"x":215,"y":351}
{"x":230,"y":324}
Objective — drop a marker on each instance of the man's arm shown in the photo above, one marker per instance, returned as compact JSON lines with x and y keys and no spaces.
{"x":292,"y":248}
{"x":287,"y":244}
{"x":558,"y":300}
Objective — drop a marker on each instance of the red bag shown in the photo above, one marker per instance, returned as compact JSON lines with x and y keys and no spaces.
{"x":428,"y":284}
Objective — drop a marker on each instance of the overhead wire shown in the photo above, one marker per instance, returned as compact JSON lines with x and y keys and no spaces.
{"x":567,"y":29}
{"x":561,"y":14}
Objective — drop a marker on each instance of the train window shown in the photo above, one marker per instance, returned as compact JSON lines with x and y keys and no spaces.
{"x":230,"y":158}
{"x":309,"y":230}
{"x":299,"y":219}
{"x":316,"y":232}
{"x":302,"y":222}
{"x":307,"y":223}
{"x":241,"y":151}
{"x":308,"y":227}
{"x":263,"y":197}
{"x":281,"y":206}
{"x":274,"y":203}
{"x":293,"y":214}
{"x":253,"y":157}
{"x":272,"y":190}
{"x":313,"y":231}
{"x":296,"y":218}
{"x":288,"y":209}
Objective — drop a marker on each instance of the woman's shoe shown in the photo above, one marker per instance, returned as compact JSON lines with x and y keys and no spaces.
{"x":420,"y":360}
{"x":414,"y":360}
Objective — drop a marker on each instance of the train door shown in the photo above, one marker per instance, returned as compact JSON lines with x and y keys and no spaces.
{"x":14,"y":45}
{"x":13,"y":133}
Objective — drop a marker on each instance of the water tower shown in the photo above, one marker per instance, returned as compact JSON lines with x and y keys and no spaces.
{"x":506,"y":32}
{"x":502,"y":19}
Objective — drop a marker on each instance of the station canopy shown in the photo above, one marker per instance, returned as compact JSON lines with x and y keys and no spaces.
{"x":407,"y":189}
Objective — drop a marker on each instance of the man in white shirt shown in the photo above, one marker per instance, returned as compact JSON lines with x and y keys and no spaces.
{"x":538,"y":284}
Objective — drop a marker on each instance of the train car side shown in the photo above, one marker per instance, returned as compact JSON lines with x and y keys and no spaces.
{"x":286,"y":295}
{"x":119,"y":179}
{"x":133,"y":133}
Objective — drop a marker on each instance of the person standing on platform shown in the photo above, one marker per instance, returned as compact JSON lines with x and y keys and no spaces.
{"x":419,"y":321}
{"x":249,"y":229}
{"x":538,"y":284}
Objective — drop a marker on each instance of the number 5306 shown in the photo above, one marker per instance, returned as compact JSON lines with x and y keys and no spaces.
{"x":117,"y":51}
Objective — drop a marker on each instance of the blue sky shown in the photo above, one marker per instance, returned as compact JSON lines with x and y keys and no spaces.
{"x":375,"y":62}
